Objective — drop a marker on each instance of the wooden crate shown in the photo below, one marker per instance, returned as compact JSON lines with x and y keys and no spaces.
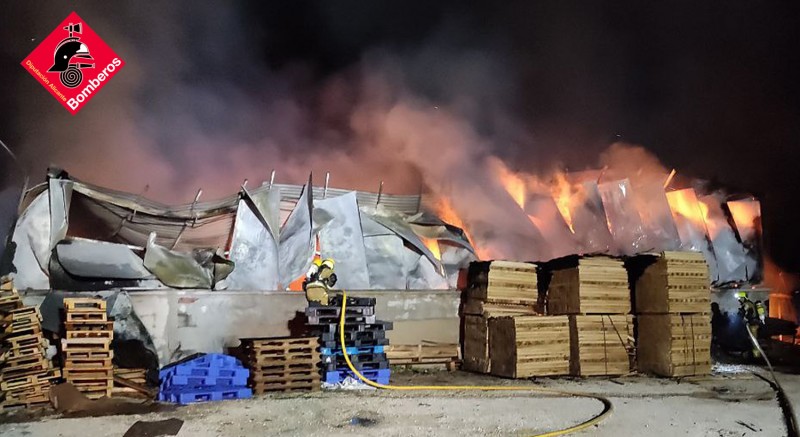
{"x":677,"y":282}
{"x":674,"y":344}
{"x":596,"y":285}
{"x":476,"y":344}
{"x":598,"y":345}
{"x":526,"y":346}
{"x":503,"y":282}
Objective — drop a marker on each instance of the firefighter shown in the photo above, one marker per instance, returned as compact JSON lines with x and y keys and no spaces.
{"x":320,"y":278}
{"x":751,"y":315}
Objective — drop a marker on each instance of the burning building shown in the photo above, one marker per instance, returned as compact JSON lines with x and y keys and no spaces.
{"x":265,"y":237}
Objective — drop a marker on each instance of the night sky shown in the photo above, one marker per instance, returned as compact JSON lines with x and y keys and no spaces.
{"x":711,"y":88}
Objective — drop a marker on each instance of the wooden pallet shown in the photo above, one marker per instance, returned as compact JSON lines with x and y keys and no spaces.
{"x":506,"y":282}
{"x":86,"y":317}
{"x":310,"y":384}
{"x":598,"y":345}
{"x":84,"y":304}
{"x":86,"y":344}
{"x":596,"y":285}
{"x":279,"y":343}
{"x":674,"y":344}
{"x":677,"y":282}
{"x":526,"y":346}
{"x":27,"y":381}
{"x":89,"y":325}
{"x":475,"y":344}
{"x":426,"y":353}
{"x":105,"y":334}
{"x":88,"y":354}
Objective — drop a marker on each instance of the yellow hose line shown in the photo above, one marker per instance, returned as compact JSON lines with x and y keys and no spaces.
{"x":607,"y":407}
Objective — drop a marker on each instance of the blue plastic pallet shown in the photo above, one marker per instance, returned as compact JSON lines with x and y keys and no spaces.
{"x":335,"y":376}
{"x":206,"y":361}
{"x":188,"y":396}
{"x":208,"y":381}
{"x":213,"y":372}
{"x":352,"y":350}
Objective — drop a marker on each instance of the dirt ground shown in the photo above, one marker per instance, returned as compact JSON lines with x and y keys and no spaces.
{"x":733,"y":403}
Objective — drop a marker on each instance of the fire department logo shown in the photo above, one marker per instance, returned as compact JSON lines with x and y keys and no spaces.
{"x":73,"y":63}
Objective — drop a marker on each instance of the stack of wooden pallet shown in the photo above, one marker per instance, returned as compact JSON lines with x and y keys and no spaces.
{"x":426,"y":353}
{"x":282,"y":364}
{"x":594,"y":293}
{"x":87,"y":347}
{"x":25,"y":372}
{"x":672,"y":303}
{"x":526,"y":346}
{"x":495,"y":288}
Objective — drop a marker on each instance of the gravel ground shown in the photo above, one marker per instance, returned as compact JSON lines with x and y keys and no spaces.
{"x":721,"y":405}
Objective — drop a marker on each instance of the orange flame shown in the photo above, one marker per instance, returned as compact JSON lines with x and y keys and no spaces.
{"x":781,"y":285}
{"x":444,"y":209}
{"x":562,"y":191}
{"x":513,"y":184}
{"x":745,"y":214}
{"x":685,"y":204}
{"x":433,"y":245}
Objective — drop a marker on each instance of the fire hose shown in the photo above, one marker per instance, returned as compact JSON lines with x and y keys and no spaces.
{"x":607,"y":407}
{"x":786,"y":406}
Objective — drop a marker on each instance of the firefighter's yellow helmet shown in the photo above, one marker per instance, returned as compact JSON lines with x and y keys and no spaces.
{"x":328,"y":263}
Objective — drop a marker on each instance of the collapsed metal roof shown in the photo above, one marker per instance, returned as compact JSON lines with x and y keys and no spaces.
{"x":78,"y":236}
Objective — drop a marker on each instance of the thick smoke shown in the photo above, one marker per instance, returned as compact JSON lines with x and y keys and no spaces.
{"x":197,"y":107}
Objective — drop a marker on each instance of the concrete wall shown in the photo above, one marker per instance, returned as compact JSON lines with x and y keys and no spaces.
{"x":182,"y":322}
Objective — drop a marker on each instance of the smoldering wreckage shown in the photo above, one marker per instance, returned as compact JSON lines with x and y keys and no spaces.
{"x":588,"y":276}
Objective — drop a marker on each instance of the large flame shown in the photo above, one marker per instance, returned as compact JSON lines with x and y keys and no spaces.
{"x":746,"y":214}
{"x":513,"y":183}
{"x":562,"y":194}
{"x":444,"y":209}
{"x":685,"y":204}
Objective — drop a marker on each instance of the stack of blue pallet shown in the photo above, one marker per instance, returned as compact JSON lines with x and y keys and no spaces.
{"x":365,"y":340}
{"x":204,"y":377}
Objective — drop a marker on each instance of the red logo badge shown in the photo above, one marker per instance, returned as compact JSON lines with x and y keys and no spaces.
{"x":73,"y":63}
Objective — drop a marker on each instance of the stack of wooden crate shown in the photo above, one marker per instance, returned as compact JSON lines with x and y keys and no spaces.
{"x":87,"y":347}
{"x":282,"y":364}
{"x":25,"y":373}
{"x":673,"y":300}
{"x":495,"y":288}
{"x":593,"y":291}
{"x":526,"y":346}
